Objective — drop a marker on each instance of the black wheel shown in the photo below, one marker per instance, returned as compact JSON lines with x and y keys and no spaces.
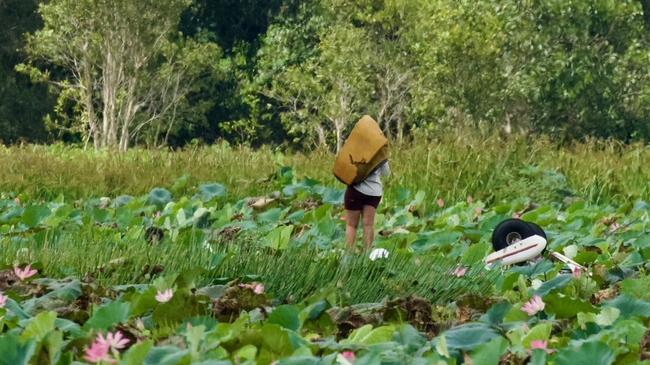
{"x":537,"y":229}
{"x":511,"y":231}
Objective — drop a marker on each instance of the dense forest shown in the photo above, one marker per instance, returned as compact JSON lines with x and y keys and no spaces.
{"x":119,"y":73}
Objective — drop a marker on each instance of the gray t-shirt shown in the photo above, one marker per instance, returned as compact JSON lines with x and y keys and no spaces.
{"x":372,"y":184}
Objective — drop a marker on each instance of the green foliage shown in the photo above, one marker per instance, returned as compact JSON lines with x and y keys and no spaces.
{"x":490,"y":352}
{"x":39,"y":326}
{"x":14,"y":351}
{"x":300,"y":73}
{"x":22,"y":105}
{"x":547,"y":67}
{"x":127,"y":74}
{"x":586,"y":353}
{"x":307,"y":300}
{"x":485,"y":168}
{"x":159,"y":197}
{"x":137,"y":354}
{"x":631,"y":307}
{"x":469,"y":336}
{"x":262,"y":248}
{"x":208,"y":192}
{"x":108,"y":316}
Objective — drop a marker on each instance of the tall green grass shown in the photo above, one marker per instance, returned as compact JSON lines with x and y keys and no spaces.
{"x":49,"y":171}
{"x":290,"y":275}
{"x":452,"y":167}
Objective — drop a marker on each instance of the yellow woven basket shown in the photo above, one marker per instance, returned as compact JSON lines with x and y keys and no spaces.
{"x":363,"y":151}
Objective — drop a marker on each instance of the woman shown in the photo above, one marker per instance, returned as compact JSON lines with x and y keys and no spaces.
{"x":362,"y":199}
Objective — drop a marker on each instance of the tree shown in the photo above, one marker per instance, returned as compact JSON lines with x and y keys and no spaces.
{"x":394,"y":79}
{"x":645,"y":4}
{"x":128,"y":70}
{"x":323,"y":94}
{"x":582,"y":68}
{"x":569,"y":69}
{"x":457,"y":47}
{"x":22,"y":104}
{"x":233,"y":22}
{"x":238,"y":113}
{"x":335,"y":63}
{"x":394,"y":70}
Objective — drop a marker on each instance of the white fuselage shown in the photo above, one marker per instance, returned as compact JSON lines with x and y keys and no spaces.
{"x":524,"y":250}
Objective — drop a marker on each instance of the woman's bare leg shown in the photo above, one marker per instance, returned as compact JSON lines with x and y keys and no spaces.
{"x":369,"y":224}
{"x":352,"y":222}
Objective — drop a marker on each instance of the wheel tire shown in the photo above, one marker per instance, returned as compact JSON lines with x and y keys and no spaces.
{"x":537,"y":229}
{"x":510,"y":231}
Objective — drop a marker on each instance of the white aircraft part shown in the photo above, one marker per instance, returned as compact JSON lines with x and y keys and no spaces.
{"x":524,"y":250}
{"x":378,"y":253}
{"x":570,"y":263}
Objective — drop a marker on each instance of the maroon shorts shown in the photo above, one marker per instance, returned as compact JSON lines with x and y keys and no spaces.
{"x":356,"y":200}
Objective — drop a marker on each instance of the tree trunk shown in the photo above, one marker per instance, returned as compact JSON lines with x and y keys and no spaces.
{"x":508,"y":127}
{"x":322,"y":140}
{"x":91,"y":118}
{"x":400,"y":129}
{"x":128,"y":113}
{"x":344,"y":110}
{"x":124,"y":138}
{"x":382,"y":120}
{"x":338,"y":127}
{"x":645,"y":4}
{"x":169,"y":129}
{"x":385,"y":99}
{"x":109,"y":87}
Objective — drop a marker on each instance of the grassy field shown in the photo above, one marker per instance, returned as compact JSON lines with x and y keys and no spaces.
{"x":488,"y":168}
{"x":191,"y":269}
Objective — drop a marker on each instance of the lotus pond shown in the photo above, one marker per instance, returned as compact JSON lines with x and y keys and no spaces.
{"x":205,"y":278}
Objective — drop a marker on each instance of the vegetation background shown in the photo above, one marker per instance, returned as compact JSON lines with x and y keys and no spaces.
{"x":298,"y":74}
{"x":165,"y":173}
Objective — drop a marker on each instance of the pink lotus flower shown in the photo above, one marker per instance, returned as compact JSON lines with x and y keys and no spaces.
{"x":577,"y":272}
{"x":460,"y":271}
{"x":115,"y":341}
{"x":257,"y":288}
{"x":3,"y":300}
{"x":540,"y":345}
{"x":25,"y":273}
{"x":349,"y":356}
{"x":534,"y":305}
{"x":165,"y":296}
{"x":99,"y":352}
